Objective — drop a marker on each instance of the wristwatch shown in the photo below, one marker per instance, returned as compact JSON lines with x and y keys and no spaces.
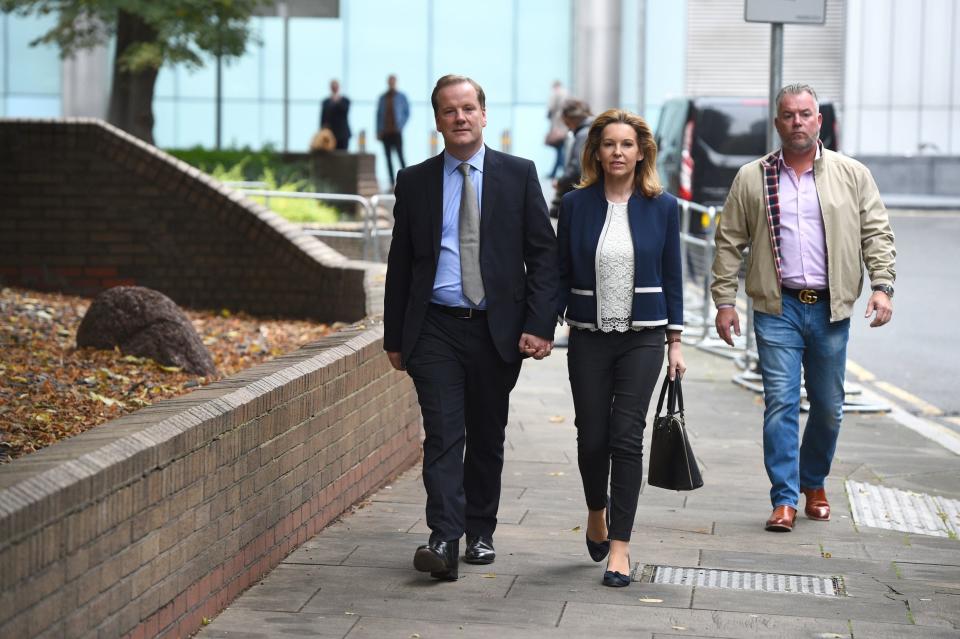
{"x":883,"y":288}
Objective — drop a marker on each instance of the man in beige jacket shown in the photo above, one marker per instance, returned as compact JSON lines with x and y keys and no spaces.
{"x":812,"y":219}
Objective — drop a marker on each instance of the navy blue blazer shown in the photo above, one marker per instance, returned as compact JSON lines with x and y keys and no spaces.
{"x":518,"y":253}
{"x":658,"y":279}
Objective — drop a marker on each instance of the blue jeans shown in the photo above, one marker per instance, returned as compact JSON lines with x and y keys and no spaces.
{"x":802,"y":334}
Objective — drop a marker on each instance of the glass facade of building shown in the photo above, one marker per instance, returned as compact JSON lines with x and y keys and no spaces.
{"x":513,"y":49}
{"x":30,"y":78}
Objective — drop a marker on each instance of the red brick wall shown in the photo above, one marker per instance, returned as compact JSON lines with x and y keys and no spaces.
{"x":85,"y":206}
{"x":146,"y":524}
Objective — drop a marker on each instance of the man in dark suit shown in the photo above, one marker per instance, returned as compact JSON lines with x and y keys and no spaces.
{"x":471,"y":287}
{"x":334,"y":112}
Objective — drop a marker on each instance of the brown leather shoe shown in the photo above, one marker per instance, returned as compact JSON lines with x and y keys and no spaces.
{"x":782,"y":518}
{"x":817,"y":506}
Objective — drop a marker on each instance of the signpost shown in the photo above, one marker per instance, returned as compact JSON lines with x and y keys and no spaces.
{"x":778,"y":13}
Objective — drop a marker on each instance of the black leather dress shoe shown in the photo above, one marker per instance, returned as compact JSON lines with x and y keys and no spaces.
{"x":479,"y":551}
{"x":439,"y":558}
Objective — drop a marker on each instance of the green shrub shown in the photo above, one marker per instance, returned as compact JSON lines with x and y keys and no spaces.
{"x":288,"y":167}
{"x":294,"y":210}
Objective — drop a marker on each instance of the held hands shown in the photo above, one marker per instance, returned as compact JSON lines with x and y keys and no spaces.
{"x":535,"y":347}
{"x":727,"y":318}
{"x":883,"y":306}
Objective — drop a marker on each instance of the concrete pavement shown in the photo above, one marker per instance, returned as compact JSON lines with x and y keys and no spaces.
{"x":355,"y":579}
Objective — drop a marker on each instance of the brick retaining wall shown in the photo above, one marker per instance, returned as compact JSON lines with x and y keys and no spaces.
{"x":84,"y":206}
{"x":147,"y":524}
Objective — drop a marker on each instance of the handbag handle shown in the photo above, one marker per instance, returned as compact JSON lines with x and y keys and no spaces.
{"x":674,"y":396}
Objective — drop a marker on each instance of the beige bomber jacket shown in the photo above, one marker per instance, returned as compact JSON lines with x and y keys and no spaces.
{"x":855,"y":221}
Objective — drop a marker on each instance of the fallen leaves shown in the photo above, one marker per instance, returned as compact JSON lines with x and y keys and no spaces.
{"x":50,"y":390}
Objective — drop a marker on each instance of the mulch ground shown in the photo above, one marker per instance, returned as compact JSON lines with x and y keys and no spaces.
{"x":51,"y":390}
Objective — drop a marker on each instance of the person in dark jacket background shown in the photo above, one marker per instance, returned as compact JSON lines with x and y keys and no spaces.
{"x":621,"y":292}
{"x":333,"y":115}
{"x":393,"y":110}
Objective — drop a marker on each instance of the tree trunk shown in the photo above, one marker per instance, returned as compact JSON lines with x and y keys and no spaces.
{"x":131,"y":96}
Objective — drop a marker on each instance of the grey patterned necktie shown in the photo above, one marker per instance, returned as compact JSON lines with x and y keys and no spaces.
{"x":470,"y":277}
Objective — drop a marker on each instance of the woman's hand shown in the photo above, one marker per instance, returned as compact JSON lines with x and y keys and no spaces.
{"x":675,"y":363}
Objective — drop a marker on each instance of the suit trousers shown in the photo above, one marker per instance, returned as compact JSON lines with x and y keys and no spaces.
{"x":612,"y":377}
{"x":463,"y":387}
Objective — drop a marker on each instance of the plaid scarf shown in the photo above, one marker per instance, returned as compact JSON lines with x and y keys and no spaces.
{"x":771,"y":186}
{"x":771,"y":190}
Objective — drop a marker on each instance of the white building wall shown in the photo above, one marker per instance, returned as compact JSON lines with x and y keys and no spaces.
{"x":729,"y":56}
{"x":902,"y":89}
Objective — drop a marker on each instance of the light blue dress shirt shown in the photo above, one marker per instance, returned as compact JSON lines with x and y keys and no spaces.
{"x":447,"y":288}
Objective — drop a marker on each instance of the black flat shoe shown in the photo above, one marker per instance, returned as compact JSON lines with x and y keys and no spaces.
{"x":439,"y":558}
{"x":598,"y":549}
{"x":479,"y":551}
{"x":614,"y":579}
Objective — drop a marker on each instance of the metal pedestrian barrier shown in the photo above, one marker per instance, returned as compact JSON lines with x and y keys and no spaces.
{"x":369,"y":231}
{"x":697,"y":250}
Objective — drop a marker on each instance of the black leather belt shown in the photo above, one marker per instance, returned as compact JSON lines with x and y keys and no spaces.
{"x":807,"y":295}
{"x":460,"y":312}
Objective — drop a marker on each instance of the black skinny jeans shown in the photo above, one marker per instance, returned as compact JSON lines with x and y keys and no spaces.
{"x":612,"y":377}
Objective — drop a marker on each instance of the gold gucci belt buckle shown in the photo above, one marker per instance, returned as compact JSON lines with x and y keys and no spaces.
{"x":807,"y":296}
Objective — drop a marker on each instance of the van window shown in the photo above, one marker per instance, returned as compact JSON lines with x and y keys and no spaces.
{"x":734,"y":129}
{"x":670,"y":127}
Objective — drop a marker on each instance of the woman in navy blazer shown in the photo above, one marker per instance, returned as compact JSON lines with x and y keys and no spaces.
{"x":621,"y":293}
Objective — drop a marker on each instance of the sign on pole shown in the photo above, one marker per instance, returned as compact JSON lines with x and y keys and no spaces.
{"x":786,"y":11}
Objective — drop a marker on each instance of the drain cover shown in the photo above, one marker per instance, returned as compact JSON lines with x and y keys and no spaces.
{"x":740,"y":580}
{"x":893,"y":509}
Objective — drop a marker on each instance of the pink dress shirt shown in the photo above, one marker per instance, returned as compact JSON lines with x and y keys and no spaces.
{"x":803,"y":245}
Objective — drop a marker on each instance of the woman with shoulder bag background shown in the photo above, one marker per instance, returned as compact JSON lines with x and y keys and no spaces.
{"x":621,"y":293}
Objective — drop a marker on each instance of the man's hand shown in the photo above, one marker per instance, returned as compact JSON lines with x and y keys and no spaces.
{"x":535,"y":347}
{"x":882,"y":305}
{"x":396,"y":360}
{"x":727,"y":317}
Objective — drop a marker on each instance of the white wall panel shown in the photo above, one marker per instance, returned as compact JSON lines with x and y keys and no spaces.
{"x":937,"y":53}
{"x":728,"y":56}
{"x":904,"y":47}
{"x":874,"y":129}
{"x":875,"y":53}
{"x":935,"y":130}
{"x":903,"y":131}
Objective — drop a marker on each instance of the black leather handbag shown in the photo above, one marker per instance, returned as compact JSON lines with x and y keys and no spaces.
{"x":672,"y":463}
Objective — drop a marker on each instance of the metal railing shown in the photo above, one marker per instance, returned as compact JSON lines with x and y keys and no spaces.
{"x":369,"y":231}
{"x":697,"y":252}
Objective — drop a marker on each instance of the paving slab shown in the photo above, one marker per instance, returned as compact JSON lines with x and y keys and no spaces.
{"x":627,"y":620}
{"x":355,"y":578}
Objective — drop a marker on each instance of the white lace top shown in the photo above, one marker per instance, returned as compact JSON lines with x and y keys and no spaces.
{"x":615,"y":271}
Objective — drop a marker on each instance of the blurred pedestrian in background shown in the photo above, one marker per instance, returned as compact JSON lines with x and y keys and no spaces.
{"x":576,"y":117}
{"x":558,"y":131}
{"x":812,"y":219}
{"x":333,"y":115}
{"x":621,"y":291}
{"x":393,"y":110}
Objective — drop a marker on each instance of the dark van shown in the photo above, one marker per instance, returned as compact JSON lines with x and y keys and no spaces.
{"x":704,"y":141}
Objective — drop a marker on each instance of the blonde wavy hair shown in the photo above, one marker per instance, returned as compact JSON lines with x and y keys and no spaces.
{"x":646,"y":180}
